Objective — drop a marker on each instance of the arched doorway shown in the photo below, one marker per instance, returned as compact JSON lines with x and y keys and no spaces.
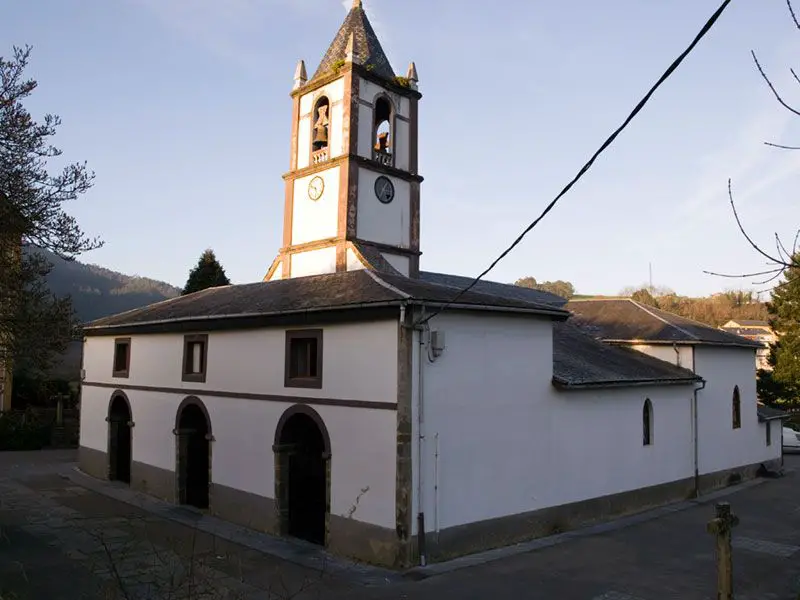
{"x":302,"y":475}
{"x":119,"y":438}
{"x":194,"y":453}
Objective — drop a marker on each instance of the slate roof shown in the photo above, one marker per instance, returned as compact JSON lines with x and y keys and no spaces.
{"x":767,"y":413}
{"x":624,"y":320}
{"x":580,"y":361}
{"x":747,"y":323}
{"x":367,"y":48}
{"x":336,"y":291}
{"x":505,"y":290}
{"x":745,"y":330}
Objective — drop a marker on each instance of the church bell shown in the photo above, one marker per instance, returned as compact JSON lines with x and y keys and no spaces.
{"x":320,"y":137}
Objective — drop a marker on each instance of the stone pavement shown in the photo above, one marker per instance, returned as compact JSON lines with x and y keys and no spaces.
{"x":67,"y":537}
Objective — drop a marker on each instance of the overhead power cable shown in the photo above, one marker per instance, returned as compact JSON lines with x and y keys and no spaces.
{"x":672,"y":68}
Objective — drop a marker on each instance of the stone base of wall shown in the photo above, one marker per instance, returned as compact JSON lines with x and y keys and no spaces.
{"x":153,"y":481}
{"x":93,"y":462}
{"x":505,"y":531}
{"x":243,"y":508}
{"x":380,"y":546}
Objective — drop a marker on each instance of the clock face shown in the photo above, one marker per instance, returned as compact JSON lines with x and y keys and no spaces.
{"x":315,"y":188}
{"x":384,"y":189}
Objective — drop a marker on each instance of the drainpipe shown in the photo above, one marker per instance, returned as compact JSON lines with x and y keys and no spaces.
{"x":423,"y":558}
{"x":695,"y":428}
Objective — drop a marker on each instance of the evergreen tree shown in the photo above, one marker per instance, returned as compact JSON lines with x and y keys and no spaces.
{"x":782,"y":385}
{"x":207,"y":274}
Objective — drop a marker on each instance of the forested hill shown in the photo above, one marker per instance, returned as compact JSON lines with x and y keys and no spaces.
{"x":98,"y":292}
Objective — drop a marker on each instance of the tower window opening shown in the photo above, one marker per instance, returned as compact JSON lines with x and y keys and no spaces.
{"x":321,"y":123}
{"x":383,"y":131}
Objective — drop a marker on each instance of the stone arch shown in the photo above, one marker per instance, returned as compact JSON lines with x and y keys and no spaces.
{"x":303,"y":475}
{"x":193,"y":458}
{"x":120,"y":437}
{"x":384,"y":128}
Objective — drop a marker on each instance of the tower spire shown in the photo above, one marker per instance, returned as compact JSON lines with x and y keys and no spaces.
{"x":357,"y":4}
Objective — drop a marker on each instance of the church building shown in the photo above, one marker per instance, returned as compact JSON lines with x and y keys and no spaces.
{"x":360,"y":403}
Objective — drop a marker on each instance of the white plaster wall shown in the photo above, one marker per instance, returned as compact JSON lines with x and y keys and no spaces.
{"x":316,"y":220}
{"x":509,"y":442}
{"x":353,"y":262}
{"x":94,"y":410}
{"x":304,"y":142}
{"x":365,"y":131}
{"x":384,"y":223}
{"x":720,"y":446}
{"x":278,"y":274}
{"x":401,"y":263}
{"x":244,"y":433}
{"x":369,"y":91}
{"x":684,"y":357}
{"x":253,"y":362}
{"x":401,"y":145}
{"x":314,"y":262}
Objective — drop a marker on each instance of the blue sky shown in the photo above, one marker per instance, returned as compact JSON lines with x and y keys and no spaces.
{"x":182,"y":109}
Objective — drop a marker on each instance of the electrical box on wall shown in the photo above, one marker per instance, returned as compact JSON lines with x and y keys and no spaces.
{"x":437,"y":342}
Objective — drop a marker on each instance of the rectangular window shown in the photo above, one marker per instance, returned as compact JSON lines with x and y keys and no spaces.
{"x":195,"y":351}
{"x":122,"y":357}
{"x":769,"y":433}
{"x":304,"y":359}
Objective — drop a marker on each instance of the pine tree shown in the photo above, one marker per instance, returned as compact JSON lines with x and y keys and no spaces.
{"x":782,"y":384}
{"x":207,"y":274}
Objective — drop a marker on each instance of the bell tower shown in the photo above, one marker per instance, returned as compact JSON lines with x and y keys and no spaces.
{"x":352,"y":189}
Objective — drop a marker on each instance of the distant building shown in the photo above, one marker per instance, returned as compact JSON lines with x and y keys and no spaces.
{"x":757,"y":331}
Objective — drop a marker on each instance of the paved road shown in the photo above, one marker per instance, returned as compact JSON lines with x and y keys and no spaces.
{"x":70,"y":538}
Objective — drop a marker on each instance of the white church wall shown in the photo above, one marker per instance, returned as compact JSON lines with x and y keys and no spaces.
{"x":353,"y":262}
{"x":93,"y":425}
{"x":720,"y":445}
{"x":401,"y":146}
{"x":334,"y":91}
{"x":369,"y":92}
{"x":518,"y":444}
{"x":314,"y":262}
{"x":363,"y":440}
{"x":314,"y":220}
{"x":252,"y":362}
{"x":278,"y":274}
{"x":679,"y":355}
{"x":383,"y":223}
{"x":365,"y":142}
{"x":401,"y":263}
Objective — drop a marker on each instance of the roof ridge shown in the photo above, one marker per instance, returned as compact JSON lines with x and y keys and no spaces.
{"x":662,"y":319}
{"x":387,"y":285}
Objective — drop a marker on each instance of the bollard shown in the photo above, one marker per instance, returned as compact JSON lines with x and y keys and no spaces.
{"x":722,"y":528}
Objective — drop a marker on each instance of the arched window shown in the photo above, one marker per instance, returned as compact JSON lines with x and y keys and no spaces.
{"x":647,"y":423}
{"x":320,"y":136}
{"x":382,"y":131}
{"x":737,"y":408}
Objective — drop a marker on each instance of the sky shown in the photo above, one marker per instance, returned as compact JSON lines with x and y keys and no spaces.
{"x":182,"y":109}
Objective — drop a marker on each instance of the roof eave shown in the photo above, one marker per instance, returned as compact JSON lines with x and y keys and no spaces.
{"x":564,"y":385}
{"x":749,"y":346}
{"x":112,"y":329}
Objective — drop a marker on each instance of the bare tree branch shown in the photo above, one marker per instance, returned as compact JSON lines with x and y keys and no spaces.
{"x":794,"y":15}
{"x":772,"y":87}
{"x":781,"y":146}
{"x":745,"y":275}
{"x":744,"y":233}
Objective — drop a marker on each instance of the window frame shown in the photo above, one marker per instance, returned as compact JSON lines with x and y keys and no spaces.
{"x":188,"y":342}
{"x":303,"y":382}
{"x":121,"y":373}
{"x":647,"y":423}
{"x":736,"y":406}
